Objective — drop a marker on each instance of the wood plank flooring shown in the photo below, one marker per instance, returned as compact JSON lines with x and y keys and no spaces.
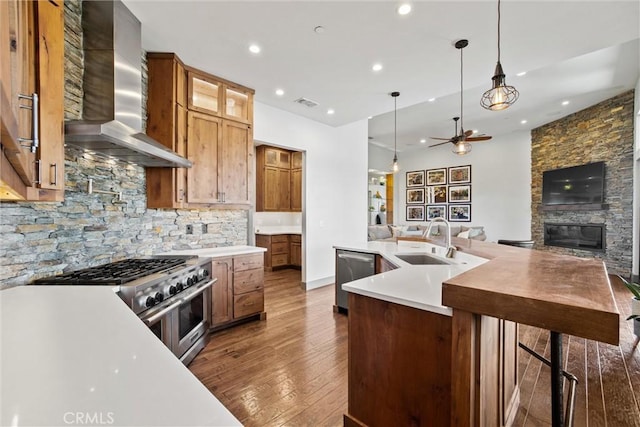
{"x":291,"y":370}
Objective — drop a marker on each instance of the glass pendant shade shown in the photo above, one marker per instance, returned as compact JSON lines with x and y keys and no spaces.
{"x":500,"y":96}
{"x":461,"y":148}
{"x":395,"y":164}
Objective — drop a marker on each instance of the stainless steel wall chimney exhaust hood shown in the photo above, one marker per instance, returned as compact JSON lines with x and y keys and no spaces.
{"x":112,"y":102}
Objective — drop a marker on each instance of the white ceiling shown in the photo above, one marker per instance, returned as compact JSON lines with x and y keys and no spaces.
{"x":579,"y":51}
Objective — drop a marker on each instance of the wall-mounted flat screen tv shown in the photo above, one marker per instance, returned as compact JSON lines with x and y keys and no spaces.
{"x":574,"y":186}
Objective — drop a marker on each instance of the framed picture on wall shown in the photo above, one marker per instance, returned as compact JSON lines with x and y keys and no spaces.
{"x":436,"y":194}
{"x":460,"y":174}
{"x":460,"y":213}
{"x":415,"y":196}
{"x":415,"y":179}
{"x":415,"y":213}
{"x":459,"y":193}
{"x":436,"y":211}
{"x":436,"y":176}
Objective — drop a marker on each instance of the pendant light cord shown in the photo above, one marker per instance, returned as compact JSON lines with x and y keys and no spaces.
{"x":498,"y":30}
{"x":395,"y":125}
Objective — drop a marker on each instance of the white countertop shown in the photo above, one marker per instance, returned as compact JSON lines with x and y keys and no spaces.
{"x":418,"y":286}
{"x":78,"y":351}
{"x":220,"y":252}
{"x":270,"y":230}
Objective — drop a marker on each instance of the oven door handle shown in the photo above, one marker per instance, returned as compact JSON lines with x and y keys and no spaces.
{"x":197,"y":290}
{"x":152,"y":319}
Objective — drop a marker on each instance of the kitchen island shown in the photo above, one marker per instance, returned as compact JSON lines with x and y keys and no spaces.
{"x":78,"y":355}
{"x":418,"y":364}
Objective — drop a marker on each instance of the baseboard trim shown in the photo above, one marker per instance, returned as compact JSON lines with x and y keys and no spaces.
{"x":318,"y":283}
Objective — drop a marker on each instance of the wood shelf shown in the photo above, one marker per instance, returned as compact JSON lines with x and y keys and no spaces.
{"x":582,"y":207}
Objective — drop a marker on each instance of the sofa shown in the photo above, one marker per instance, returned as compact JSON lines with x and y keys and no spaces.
{"x":390,"y":233}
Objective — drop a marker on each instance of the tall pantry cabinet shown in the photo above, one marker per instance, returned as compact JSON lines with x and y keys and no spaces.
{"x":32,"y":100}
{"x":209,"y":121}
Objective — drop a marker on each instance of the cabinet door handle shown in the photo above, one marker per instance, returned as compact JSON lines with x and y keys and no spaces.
{"x":38,"y":172}
{"x":55,"y":174}
{"x":34,"y":141}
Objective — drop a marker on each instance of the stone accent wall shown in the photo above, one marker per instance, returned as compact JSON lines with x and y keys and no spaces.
{"x":42,"y":239}
{"x":603,"y":132}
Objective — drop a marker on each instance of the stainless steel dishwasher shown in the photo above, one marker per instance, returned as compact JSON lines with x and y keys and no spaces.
{"x":351,"y":266}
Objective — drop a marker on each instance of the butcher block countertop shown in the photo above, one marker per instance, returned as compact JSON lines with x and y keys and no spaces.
{"x":561,"y":293}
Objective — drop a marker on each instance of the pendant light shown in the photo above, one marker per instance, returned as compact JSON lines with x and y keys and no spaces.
{"x":500,"y":96}
{"x":461,"y":147}
{"x":395,"y":96}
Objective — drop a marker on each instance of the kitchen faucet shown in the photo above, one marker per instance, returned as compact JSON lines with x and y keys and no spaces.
{"x":451,"y":250}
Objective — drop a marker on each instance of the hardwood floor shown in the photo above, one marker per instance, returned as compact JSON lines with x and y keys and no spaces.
{"x":291,"y":370}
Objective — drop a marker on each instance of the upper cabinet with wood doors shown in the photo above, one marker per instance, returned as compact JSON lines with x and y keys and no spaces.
{"x":32,"y":100}
{"x":278,"y":180}
{"x":209,"y":121}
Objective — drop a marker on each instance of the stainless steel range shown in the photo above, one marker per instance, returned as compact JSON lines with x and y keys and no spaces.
{"x":170,"y":294}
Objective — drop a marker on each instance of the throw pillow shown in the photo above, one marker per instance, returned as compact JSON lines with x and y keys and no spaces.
{"x":475,"y":231}
{"x":464,"y":234}
{"x":382,"y":232}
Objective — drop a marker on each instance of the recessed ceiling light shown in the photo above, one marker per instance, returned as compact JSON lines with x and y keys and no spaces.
{"x":330,"y":111}
{"x":565,"y":102}
{"x":376,"y":67}
{"x":521,"y":74}
{"x":370,"y":117}
{"x":279,"y":92}
{"x":431,"y":99}
{"x":404,"y":9}
{"x":423,"y":141}
{"x":254,"y":48}
{"x":319,"y":29}
{"x":522,"y":122}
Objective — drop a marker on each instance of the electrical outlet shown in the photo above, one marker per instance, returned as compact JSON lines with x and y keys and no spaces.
{"x":189,"y":229}
{"x":205,"y":228}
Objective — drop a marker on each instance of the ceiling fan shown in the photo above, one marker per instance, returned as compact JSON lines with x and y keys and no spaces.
{"x":455,"y":139}
{"x":461,"y":141}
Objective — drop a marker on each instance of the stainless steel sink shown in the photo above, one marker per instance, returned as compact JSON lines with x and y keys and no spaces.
{"x":421,"y":259}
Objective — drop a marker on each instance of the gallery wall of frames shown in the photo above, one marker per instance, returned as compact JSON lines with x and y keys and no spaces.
{"x":444,"y":192}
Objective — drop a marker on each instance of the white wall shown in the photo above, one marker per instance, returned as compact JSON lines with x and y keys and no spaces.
{"x":334,"y":196}
{"x":500,"y":183}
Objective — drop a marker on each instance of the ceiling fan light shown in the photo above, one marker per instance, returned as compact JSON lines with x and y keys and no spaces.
{"x":461,"y":148}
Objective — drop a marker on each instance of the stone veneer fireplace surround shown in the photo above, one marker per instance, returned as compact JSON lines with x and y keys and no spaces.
{"x":602,"y":132}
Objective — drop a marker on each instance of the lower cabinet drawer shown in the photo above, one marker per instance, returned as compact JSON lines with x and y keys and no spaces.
{"x":279,"y":238}
{"x":280,"y":259}
{"x":248,"y":262}
{"x":296,"y":238}
{"x":247,"y":281}
{"x":280,"y":248}
{"x":247,"y":304}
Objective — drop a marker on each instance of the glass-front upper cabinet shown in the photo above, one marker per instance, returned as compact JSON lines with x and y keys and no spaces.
{"x":204,"y":94}
{"x":237,"y":104}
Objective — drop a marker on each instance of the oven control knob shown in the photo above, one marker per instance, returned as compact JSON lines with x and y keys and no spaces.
{"x":202,"y":273}
{"x":173,"y":290}
{"x":150,"y":302}
{"x":159,"y":297}
{"x":191,"y":280}
{"x":179,"y":286}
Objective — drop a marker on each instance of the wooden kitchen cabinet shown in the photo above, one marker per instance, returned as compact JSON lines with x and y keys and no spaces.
{"x":296,"y":181}
{"x":32,"y":62}
{"x":185,"y":114}
{"x":283,"y":250}
{"x":222,"y":291}
{"x":278,"y":185}
{"x":238,"y":294}
{"x":296,"y":250}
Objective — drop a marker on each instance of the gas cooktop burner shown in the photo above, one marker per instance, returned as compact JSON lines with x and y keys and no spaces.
{"x":115,"y":273}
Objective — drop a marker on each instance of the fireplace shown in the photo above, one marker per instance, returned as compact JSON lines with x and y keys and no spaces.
{"x":590,"y":237}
